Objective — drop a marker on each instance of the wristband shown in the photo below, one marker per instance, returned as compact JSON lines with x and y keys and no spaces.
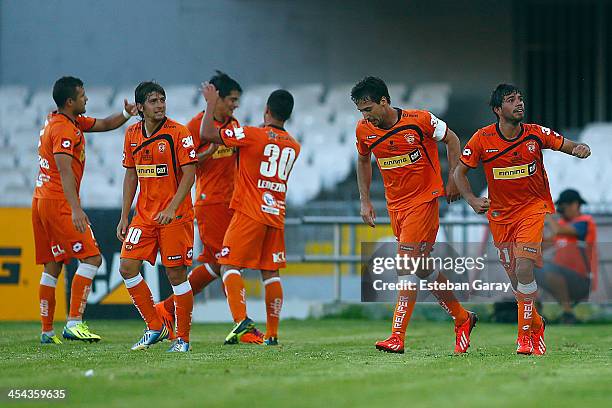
{"x":126,"y":114}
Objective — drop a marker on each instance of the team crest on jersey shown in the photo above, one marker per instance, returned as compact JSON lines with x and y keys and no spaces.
{"x":272,"y":135}
{"x":161,"y":146}
{"x":409,"y":138}
{"x":531,"y":146}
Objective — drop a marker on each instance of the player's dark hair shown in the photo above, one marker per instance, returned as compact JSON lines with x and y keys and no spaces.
{"x":280,"y":103}
{"x":146,"y":88}
{"x":225,"y":84}
{"x":498,"y":95}
{"x":370,"y":89}
{"x":65,"y":88}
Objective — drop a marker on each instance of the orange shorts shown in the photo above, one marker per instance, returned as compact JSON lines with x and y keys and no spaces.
{"x":251,"y":244}
{"x":55,"y":238}
{"x":213,"y":221}
{"x":519,"y":239}
{"x":416,"y":228}
{"x":174,"y":241}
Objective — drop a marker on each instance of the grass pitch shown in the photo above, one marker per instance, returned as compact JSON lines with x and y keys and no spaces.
{"x":322,"y":363}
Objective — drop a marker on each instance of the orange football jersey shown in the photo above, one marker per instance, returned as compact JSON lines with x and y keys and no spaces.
{"x":60,"y":135}
{"x":265,"y":158}
{"x":407,"y":156}
{"x":215,"y":176}
{"x":158,"y":158}
{"x":518,"y":184}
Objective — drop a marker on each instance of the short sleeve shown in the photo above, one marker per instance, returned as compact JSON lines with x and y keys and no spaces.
{"x":360,"y":134}
{"x":85,"y":122}
{"x":128,"y":158}
{"x":236,"y":136}
{"x":472,"y":152}
{"x":551,"y":139}
{"x":64,"y":139}
{"x":194,"y":129}
{"x":185,"y":148}
{"x":432,"y":126}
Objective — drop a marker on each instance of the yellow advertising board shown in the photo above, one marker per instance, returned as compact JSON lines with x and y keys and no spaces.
{"x":19,"y":274}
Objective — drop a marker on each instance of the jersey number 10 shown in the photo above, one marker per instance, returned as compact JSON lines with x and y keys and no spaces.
{"x":279,"y":162}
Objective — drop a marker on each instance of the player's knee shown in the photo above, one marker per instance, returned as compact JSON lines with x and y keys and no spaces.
{"x":265,"y":275}
{"x":95,"y":260}
{"x":176,"y":275}
{"x":53,"y":268}
{"x":128,"y":270}
{"x":524,"y":269}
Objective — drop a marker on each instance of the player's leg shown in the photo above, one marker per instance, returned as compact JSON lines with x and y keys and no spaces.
{"x":274,"y":303}
{"x":46,"y":296}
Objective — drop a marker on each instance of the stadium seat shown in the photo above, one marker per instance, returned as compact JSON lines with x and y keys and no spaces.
{"x":306,"y":96}
{"x":42,"y":102}
{"x":430,"y":96}
{"x":338,"y":99}
{"x":253,"y":102}
{"x":397,"y":92}
{"x":98,"y":98}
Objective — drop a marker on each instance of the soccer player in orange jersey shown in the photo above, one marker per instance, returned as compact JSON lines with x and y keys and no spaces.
{"x":61,"y":228}
{"x":405,"y":145}
{"x":255,"y":237}
{"x":160,"y":156}
{"x":519,"y":198}
{"x":214,"y":188}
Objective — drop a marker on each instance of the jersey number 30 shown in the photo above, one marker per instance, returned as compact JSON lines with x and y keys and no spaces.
{"x":279,"y":162}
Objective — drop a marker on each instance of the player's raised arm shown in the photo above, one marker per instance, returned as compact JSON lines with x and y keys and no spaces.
{"x":364,"y":179}
{"x":64,"y":166}
{"x":208,"y":131}
{"x":184,"y":187}
{"x":130,"y":183}
{"x":115,"y":120}
{"x":453,"y":151}
{"x":580,"y":150}
{"x":479,"y":204}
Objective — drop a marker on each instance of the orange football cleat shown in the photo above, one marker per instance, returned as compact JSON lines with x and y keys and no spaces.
{"x":463,"y":331}
{"x":253,"y":336}
{"x":537,"y":339}
{"x":393,"y":344}
{"x":525,"y":344}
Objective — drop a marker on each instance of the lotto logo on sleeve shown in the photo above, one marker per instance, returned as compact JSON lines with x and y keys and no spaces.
{"x":238,"y":133}
{"x":189,"y":254}
{"x":467,"y":151}
{"x":151,"y":170}
{"x":66,"y":143}
{"x":514,"y":172}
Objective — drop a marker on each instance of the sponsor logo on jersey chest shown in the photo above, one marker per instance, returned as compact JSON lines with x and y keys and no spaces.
{"x":151,"y":170}
{"x":394,"y":162}
{"x":514,"y":172}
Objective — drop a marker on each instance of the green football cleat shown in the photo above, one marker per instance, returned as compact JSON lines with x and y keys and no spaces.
{"x":80,"y":332}
{"x":239,"y":330}
{"x":271,"y":341}
{"x":46,"y":339}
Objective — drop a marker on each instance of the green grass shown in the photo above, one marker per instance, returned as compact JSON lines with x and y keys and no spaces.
{"x":325,"y":363}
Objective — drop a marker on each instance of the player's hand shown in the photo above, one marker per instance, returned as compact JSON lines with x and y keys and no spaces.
{"x":582,"y":151}
{"x":368,"y":215}
{"x":122,"y":229}
{"x":480,"y":204}
{"x":165,"y":217}
{"x":130,"y":107}
{"x":79,"y":219}
{"x":452,"y":192}
{"x":209,"y":92}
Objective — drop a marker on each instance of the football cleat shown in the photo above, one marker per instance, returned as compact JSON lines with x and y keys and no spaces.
{"x":393,"y":344}
{"x":179,"y":346}
{"x":537,"y":339}
{"x":80,"y":332}
{"x":239,"y":330}
{"x":46,"y":339}
{"x":524,"y":344}
{"x":150,"y":337}
{"x":271,"y":341}
{"x":252,"y":337}
{"x":463,"y":331}
{"x":167,"y":318}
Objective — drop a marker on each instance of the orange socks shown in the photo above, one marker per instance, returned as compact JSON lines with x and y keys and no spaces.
{"x":406,"y":300}
{"x":79,"y":291}
{"x":448,"y":301}
{"x":199,"y":278}
{"x":236,"y":294}
{"x":274,"y":303}
{"x":46,"y":296}
{"x":525,"y":297}
{"x":183,"y":299}
{"x":143,"y":300}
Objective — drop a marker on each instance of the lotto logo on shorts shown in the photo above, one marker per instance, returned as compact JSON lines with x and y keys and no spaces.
{"x":174,"y":257}
{"x":66,"y":143}
{"x":189,"y":254}
{"x":529,"y":249}
{"x":224,"y":252}
{"x":278,"y":257}
{"x":151,"y":170}
{"x":77,"y":247}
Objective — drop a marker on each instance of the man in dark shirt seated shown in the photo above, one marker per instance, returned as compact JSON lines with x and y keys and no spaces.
{"x":573,"y":269}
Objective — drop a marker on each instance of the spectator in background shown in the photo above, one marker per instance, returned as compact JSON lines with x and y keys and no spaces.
{"x":573,"y":268}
